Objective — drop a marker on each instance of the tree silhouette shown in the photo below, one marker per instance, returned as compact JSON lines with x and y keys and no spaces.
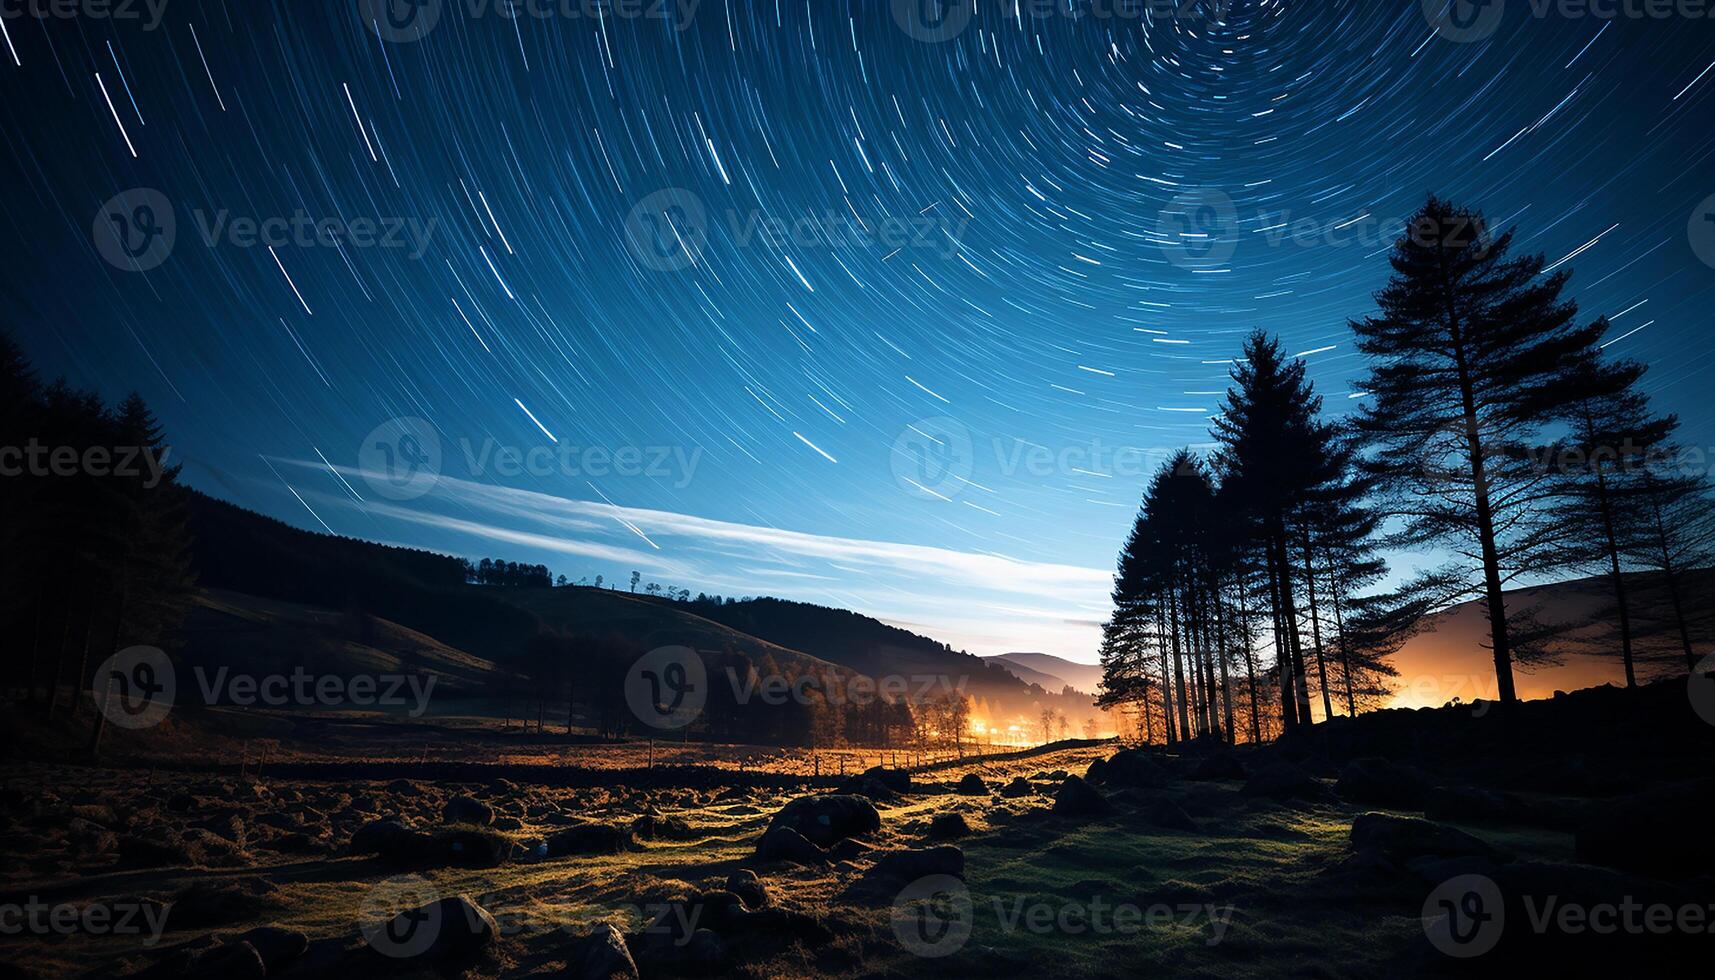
{"x":1469,"y":358}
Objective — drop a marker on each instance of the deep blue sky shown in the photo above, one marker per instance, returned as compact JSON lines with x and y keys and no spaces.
{"x":996,"y":239}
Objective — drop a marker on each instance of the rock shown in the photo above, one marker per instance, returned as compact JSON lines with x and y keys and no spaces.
{"x":658,"y":951}
{"x":651,"y":826}
{"x":849,"y":849}
{"x":1403,"y":838}
{"x":786,"y":844}
{"x":461,"y":927}
{"x":1132,"y":767}
{"x":465,"y":849}
{"x":277,"y":947}
{"x":379,"y":836}
{"x":948,"y":826}
{"x":228,"y":961}
{"x":601,"y":955}
{"x":748,"y":887}
{"x":1220,"y":764}
{"x":1284,"y":781}
{"x":590,"y":838}
{"x":214,"y":903}
{"x":1077,"y":798}
{"x":1017,"y":788}
{"x":1168,"y":814}
{"x":1653,"y":832}
{"x":909,"y":865}
{"x":878,"y":783}
{"x":1380,"y":782}
{"x":826,"y":818}
{"x":971,"y":785}
{"x":466,"y":809}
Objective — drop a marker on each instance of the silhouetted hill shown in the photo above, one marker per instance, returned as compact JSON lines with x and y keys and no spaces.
{"x":1051,"y":672}
{"x":241,"y":551}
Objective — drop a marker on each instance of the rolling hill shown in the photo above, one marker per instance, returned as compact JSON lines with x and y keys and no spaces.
{"x":1050,"y":672}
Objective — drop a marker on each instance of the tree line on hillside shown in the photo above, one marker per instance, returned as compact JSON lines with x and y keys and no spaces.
{"x":1494,"y":428}
{"x":94,"y":550}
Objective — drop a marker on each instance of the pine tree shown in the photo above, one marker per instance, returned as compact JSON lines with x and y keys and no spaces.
{"x":1275,"y":453}
{"x":1469,"y":356}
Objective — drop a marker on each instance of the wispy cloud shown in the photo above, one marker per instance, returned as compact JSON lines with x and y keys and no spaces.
{"x":983,"y":602}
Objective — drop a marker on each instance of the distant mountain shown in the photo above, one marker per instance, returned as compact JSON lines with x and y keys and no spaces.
{"x":428,"y":615}
{"x":1049,"y":672}
{"x":1573,"y":624}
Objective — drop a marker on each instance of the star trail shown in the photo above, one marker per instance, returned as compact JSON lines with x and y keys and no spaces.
{"x":890,"y":306}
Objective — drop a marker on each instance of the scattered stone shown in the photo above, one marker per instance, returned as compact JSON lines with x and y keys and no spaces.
{"x":461,"y":927}
{"x":786,"y":844}
{"x":1402,"y":838}
{"x":466,"y":809}
{"x":1220,"y":764}
{"x":1284,"y":781}
{"x":1077,"y":798}
{"x":1380,"y":782}
{"x":827,"y":818}
{"x":948,"y":826}
{"x":749,"y":888}
{"x":601,"y":955}
{"x":908,"y":865}
{"x":277,"y":947}
{"x":971,"y":785}
{"x":590,"y":838}
{"x":1019,"y":787}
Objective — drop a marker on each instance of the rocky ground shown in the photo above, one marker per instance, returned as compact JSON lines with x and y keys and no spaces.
{"x":1405,"y":843}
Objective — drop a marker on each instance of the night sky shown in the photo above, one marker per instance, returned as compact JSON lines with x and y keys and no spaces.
{"x":843,"y":296}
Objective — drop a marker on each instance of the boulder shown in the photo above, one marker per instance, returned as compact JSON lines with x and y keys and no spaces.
{"x":1019,"y":787}
{"x":467,"y":809}
{"x":278,"y":947}
{"x":227,"y":961}
{"x":1380,"y":782}
{"x":786,"y":844}
{"x":461,"y":927}
{"x":1404,"y":838}
{"x":1076,"y":798}
{"x":948,"y":826}
{"x":749,"y":888}
{"x":972,"y":785}
{"x":590,"y":838}
{"x":1132,"y":767}
{"x":1220,"y":764}
{"x":1284,"y":781}
{"x":909,"y":865}
{"x":379,"y":836}
{"x":601,"y":955}
{"x":826,"y":818}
